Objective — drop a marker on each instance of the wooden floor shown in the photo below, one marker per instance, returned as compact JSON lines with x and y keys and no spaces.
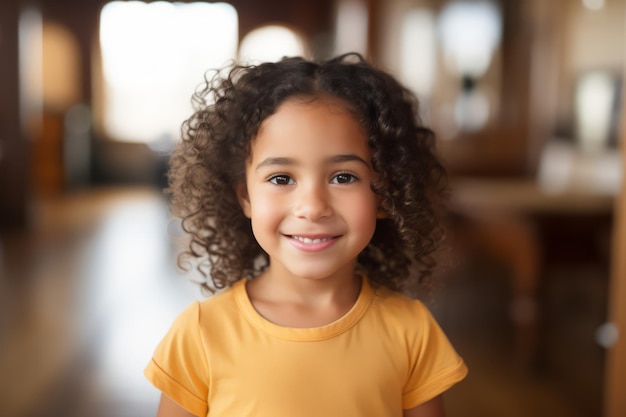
{"x":88,"y":292}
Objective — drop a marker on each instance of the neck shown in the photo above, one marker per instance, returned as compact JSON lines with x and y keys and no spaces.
{"x":303,"y":302}
{"x":278,"y":285}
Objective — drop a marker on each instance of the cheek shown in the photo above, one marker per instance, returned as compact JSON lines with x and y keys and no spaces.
{"x":364,"y":212}
{"x":265,"y":211}
{"x":262,"y":203}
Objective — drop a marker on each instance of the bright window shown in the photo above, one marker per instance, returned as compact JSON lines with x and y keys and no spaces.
{"x":154,"y":55}
{"x":351,"y":23}
{"x":270,"y":44}
{"x":418,"y":52}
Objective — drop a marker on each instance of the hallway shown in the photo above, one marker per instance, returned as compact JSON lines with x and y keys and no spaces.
{"x":85,"y":299}
{"x":87,"y":294}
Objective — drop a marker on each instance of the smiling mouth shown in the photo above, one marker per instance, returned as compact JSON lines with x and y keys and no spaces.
{"x":310,"y":241}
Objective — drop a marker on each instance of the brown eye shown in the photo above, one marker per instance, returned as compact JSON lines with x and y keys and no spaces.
{"x":344,"y":178}
{"x":281,"y":180}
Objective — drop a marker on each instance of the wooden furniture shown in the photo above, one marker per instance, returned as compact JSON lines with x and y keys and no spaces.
{"x":504,"y":216}
{"x":615,"y":377}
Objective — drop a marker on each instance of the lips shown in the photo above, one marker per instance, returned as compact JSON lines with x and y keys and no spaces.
{"x":312,"y":243}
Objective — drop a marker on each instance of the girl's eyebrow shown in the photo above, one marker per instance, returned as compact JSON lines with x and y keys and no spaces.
{"x":346,"y":158}
{"x":290,"y":161}
{"x":275,"y":161}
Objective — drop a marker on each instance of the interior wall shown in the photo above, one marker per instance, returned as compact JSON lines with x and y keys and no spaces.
{"x":14,"y":145}
{"x":593,"y":40}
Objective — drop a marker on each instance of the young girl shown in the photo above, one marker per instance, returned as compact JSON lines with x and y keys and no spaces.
{"x":312,"y":197}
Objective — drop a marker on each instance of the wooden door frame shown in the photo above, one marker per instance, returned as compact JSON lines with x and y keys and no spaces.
{"x":615,"y":374}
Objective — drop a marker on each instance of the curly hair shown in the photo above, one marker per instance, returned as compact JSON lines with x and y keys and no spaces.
{"x":209,"y":163}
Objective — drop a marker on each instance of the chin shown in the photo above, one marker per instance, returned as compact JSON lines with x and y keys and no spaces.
{"x":317,"y":274}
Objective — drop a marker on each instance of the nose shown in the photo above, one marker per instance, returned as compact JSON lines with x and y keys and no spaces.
{"x":313,"y":202}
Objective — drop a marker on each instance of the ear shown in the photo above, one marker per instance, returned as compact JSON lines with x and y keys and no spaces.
{"x":381,"y":213}
{"x":243,"y":198}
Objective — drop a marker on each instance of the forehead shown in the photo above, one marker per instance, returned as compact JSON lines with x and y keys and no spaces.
{"x":317,"y":123}
{"x":301,"y":107}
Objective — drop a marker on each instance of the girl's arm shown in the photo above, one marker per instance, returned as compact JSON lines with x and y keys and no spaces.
{"x":432,"y":408}
{"x":169,"y":408}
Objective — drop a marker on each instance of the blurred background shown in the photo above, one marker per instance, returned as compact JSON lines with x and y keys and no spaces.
{"x":526,"y":101}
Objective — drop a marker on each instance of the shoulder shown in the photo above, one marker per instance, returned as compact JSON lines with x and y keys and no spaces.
{"x":221,"y":305}
{"x":394,"y":302}
{"x":198,"y":323}
{"x":406,"y":315}
{"x":215,"y":308}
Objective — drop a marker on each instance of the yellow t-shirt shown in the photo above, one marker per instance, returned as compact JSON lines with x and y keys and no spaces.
{"x":221,"y":358}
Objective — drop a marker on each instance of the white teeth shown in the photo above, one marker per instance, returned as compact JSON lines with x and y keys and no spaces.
{"x":310,"y":241}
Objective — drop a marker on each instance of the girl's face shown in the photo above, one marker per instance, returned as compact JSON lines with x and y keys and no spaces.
{"x":308,"y":190}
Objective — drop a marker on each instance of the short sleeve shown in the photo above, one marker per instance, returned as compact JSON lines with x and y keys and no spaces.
{"x":179,"y":367}
{"x":435,"y":365}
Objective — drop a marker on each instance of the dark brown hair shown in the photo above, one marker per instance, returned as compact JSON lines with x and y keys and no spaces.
{"x":209,"y":162}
